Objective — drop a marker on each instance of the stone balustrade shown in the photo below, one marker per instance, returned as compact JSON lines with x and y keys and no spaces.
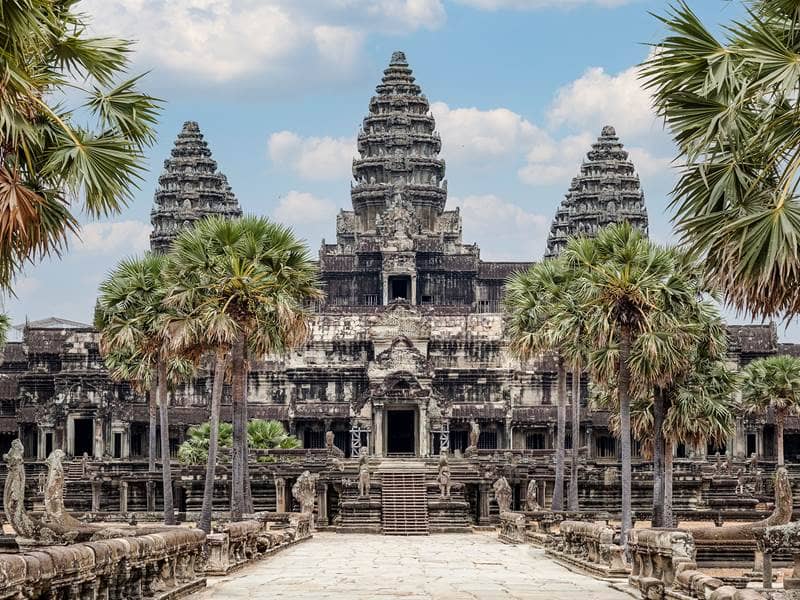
{"x":663,"y":566}
{"x":157,"y":565}
{"x":233,"y":545}
{"x":512,"y":528}
{"x":589,"y":546}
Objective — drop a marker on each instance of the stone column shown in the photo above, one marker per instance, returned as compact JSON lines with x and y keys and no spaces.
{"x":508,"y":433}
{"x":70,"y":435}
{"x":424,"y":435}
{"x":377,"y":426}
{"x":280,"y":494}
{"x":589,"y":442}
{"x":123,"y":496}
{"x":151,"y":496}
{"x":97,"y":491}
{"x":322,"y":504}
{"x":483,"y":504}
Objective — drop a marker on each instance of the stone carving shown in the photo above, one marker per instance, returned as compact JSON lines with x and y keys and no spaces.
{"x":443,"y":479}
{"x":363,"y":476}
{"x":14,"y":493}
{"x":532,"y":496}
{"x":503,"y":494}
{"x":331,"y":446}
{"x":304,"y":491}
{"x":54,"y":492}
{"x":752,"y":464}
{"x":740,"y":482}
{"x":474,"y":436}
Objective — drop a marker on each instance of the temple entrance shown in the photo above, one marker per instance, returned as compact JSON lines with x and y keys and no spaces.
{"x":84,"y":437}
{"x":400,"y":434}
{"x":399,"y":287}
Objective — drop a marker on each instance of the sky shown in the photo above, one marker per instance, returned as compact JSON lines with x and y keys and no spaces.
{"x":519,"y":90}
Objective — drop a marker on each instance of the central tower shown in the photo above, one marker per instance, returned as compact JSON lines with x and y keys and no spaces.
{"x":399,"y":242}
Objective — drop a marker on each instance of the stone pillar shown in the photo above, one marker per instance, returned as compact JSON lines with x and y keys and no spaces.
{"x":424,"y":435}
{"x":377,"y":426}
{"x":151,"y":496}
{"x":70,"y":435}
{"x":322,"y":504}
{"x":508,"y":435}
{"x":97,"y":490}
{"x":280,"y":494}
{"x":740,"y":440}
{"x":589,"y":442}
{"x":123,"y":496}
{"x":483,"y":504}
{"x":542,"y":493}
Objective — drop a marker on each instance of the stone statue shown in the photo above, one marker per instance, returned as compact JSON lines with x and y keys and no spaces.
{"x":752,"y":464}
{"x":443,"y":479}
{"x":474,"y":435}
{"x":54,"y":492}
{"x":84,"y":464}
{"x":502,"y":493}
{"x":14,"y":493}
{"x":532,"y":496}
{"x":331,"y":446}
{"x":304,"y":491}
{"x":740,"y":480}
{"x":363,"y":476}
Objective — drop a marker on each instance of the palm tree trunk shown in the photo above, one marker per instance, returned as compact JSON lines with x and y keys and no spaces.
{"x":166,"y":467}
{"x":248,"y":488}
{"x":561,"y":423}
{"x":780,"y":420}
{"x":239,"y":428}
{"x":213,"y":443}
{"x":152,"y":434}
{"x":658,"y":457}
{"x":669,"y":519}
{"x":625,"y":430}
{"x":576,"y":435}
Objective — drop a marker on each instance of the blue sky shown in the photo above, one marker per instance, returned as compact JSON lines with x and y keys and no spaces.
{"x":519,"y":89}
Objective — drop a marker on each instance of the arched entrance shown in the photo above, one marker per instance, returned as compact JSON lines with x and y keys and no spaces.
{"x":401,"y":431}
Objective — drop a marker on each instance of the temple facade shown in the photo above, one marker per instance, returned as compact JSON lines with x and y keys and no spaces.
{"x":408,"y":354}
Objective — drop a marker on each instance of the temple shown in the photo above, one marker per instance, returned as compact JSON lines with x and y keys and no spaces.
{"x":407,"y":357}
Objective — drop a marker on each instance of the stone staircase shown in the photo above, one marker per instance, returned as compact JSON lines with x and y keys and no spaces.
{"x":404,"y":500}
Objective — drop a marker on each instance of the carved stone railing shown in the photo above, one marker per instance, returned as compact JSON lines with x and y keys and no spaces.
{"x":591,"y":547}
{"x":158,"y":565}
{"x":663,"y":566}
{"x":233,"y":545}
{"x":512,"y":528}
{"x":776,"y":539}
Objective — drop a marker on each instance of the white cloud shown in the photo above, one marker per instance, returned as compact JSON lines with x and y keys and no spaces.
{"x":502,"y":229}
{"x":536,"y":4}
{"x":121,"y":237}
{"x":225,"y":40}
{"x":312,"y":218}
{"x":318,"y":158}
{"x":472,"y":134}
{"x":598,"y":98}
{"x":555,"y":160}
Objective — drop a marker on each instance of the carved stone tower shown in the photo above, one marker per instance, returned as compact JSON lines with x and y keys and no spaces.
{"x":189,"y":188}
{"x":606,"y":191}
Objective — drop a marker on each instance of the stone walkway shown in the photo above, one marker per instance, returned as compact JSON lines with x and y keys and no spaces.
{"x":440,"y":566}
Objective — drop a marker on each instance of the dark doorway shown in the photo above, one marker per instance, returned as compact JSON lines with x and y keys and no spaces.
{"x":84,"y":437}
{"x":48,"y":443}
{"x":399,"y":287}
{"x":751,"y":444}
{"x":117,"y":444}
{"x":791,"y":447}
{"x":400,"y":432}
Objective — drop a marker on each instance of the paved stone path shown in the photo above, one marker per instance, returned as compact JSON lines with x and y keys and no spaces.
{"x":370,"y":567}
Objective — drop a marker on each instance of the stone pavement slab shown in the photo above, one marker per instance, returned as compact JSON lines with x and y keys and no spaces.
{"x":374,"y":567}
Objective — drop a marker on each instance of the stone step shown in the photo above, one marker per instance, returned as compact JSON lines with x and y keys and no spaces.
{"x":404,"y":502}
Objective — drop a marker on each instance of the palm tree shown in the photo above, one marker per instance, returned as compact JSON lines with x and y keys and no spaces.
{"x":48,"y":155}
{"x":773,"y":382}
{"x":262,"y":435}
{"x":253,"y":279}
{"x":626,"y":284}
{"x":731,"y":106}
{"x":129,"y":314}
{"x":532,"y":301}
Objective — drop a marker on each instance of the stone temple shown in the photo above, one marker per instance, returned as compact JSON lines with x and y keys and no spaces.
{"x":407,"y":356}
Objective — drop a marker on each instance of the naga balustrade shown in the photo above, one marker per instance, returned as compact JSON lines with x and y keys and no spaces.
{"x":233,"y":545}
{"x":157,"y":565}
{"x":589,"y":546}
{"x":512,"y":528}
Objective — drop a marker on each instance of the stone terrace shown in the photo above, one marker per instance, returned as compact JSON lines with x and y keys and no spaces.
{"x":441,"y":566}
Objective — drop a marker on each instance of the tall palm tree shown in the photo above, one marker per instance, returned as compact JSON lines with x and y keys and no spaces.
{"x":254,"y":279}
{"x":532,"y":301}
{"x":129,"y":314}
{"x":626,"y":284}
{"x":49,"y":157}
{"x":773,"y":382}
{"x":731,"y":106}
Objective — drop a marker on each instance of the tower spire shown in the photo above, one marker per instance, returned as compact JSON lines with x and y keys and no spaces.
{"x":189,"y":188}
{"x":606,"y":191}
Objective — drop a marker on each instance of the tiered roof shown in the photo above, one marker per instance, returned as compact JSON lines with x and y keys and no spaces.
{"x":606,"y":191}
{"x":189,"y":189}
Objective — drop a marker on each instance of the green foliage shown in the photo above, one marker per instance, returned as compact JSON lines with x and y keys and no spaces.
{"x":47,"y":159}
{"x":261,"y":434}
{"x":772,"y":381}
{"x":732,"y":107}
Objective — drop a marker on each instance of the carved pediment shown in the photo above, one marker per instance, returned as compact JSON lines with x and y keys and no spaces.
{"x":400,"y":357}
{"x":399,"y":319}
